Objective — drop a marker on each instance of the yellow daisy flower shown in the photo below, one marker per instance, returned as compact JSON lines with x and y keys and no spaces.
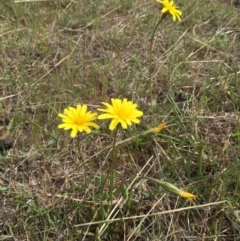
{"x":121,"y":111}
{"x":78,"y":119}
{"x":169,"y":6}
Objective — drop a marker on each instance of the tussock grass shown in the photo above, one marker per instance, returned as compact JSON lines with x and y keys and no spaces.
{"x":60,"y":53}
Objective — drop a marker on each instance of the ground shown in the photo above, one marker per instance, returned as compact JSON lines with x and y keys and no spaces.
{"x":56,"y":54}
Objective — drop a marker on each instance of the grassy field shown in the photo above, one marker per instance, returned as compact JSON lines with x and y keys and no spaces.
{"x":56,"y":54}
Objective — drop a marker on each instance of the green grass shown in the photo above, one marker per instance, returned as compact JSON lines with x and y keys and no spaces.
{"x":57,"y":54}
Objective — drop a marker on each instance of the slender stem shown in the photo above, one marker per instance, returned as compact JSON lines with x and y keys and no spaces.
{"x":110,"y":173}
{"x":150,"y":56}
{"x":199,"y":161}
{"x":151,"y":47}
{"x":133,"y":184}
{"x":81,"y":156}
{"x":165,"y":185}
{"x":114,"y":155}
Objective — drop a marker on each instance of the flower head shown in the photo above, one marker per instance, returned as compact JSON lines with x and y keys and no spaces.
{"x":173,"y":189}
{"x":187,"y":195}
{"x":159,"y":127}
{"x":169,"y":6}
{"x":78,"y":119}
{"x":154,"y":130}
{"x":121,"y":111}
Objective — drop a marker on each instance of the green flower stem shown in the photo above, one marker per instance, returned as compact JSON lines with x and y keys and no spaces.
{"x":150,"y":51}
{"x":151,"y":47}
{"x":81,"y":156}
{"x":110,"y":172}
{"x":199,"y":161}
{"x":142,"y":134}
{"x":113,"y":164}
{"x":165,"y":185}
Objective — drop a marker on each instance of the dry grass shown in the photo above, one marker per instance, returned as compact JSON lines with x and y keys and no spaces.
{"x":60,"y":53}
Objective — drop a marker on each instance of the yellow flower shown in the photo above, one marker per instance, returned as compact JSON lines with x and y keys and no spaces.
{"x":173,"y":189}
{"x":169,"y":6}
{"x":187,"y":195}
{"x":78,"y":119}
{"x":159,"y":128}
{"x":121,"y":111}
